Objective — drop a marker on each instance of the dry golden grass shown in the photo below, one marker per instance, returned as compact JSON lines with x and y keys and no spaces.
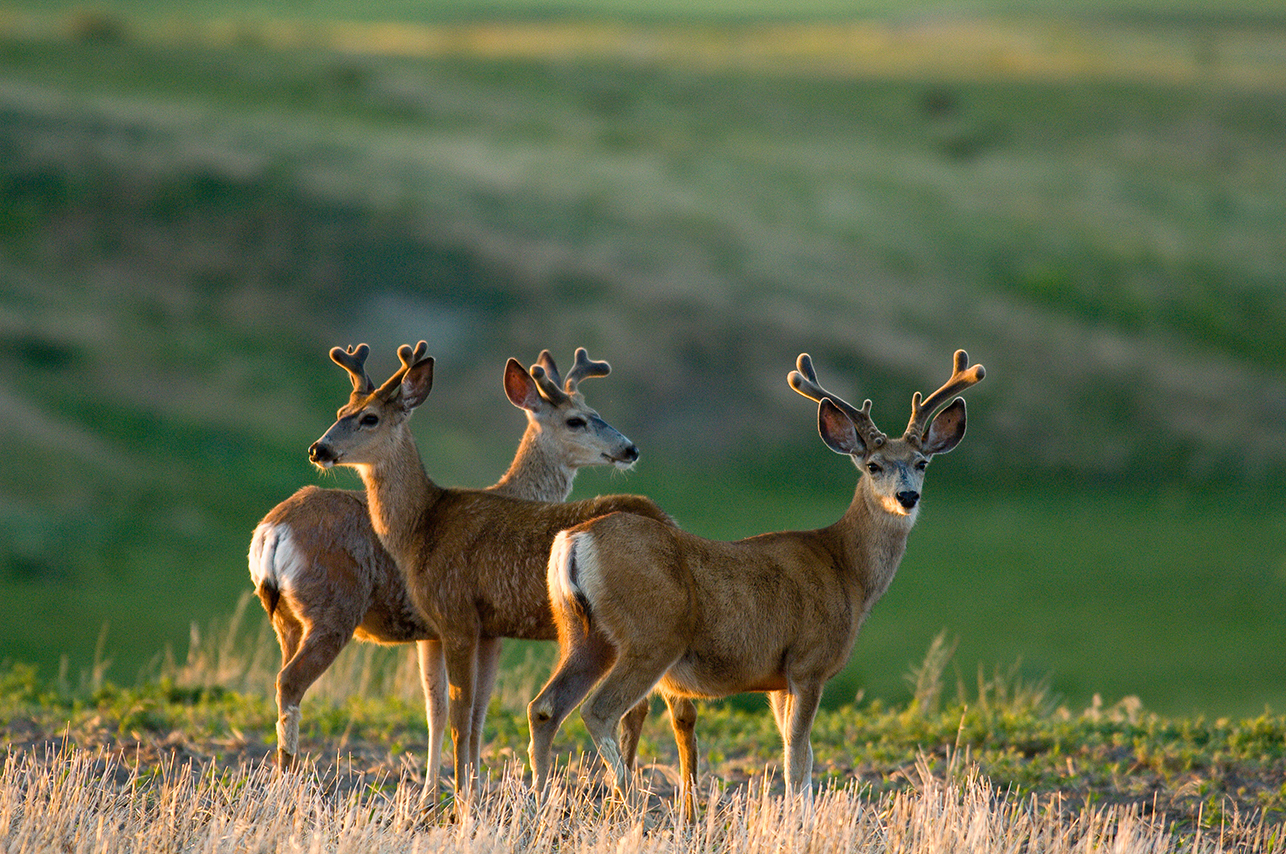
{"x":78,"y":800}
{"x":185,"y":768}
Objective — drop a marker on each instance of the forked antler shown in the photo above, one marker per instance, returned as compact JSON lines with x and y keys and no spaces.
{"x":552,"y":388}
{"x":353,"y":360}
{"x":409,"y":358}
{"x":584,"y":368}
{"x":922,"y":411}
{"x":804,"y":381}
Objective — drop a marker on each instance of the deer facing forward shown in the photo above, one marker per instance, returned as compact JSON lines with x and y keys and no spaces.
{"x":473,"y":561}
{"x":641,"y":605}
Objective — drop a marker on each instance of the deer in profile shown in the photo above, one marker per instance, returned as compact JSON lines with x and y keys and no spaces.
{"x":643,"y":606}
{"x":323,"y":576}
{"x":473,"y":561}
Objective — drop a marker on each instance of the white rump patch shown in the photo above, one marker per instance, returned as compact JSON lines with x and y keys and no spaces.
{"x":556,"y":578}
{"x":588,"y":571}
{"x":273,"y":556}
{"x":566,"y":547}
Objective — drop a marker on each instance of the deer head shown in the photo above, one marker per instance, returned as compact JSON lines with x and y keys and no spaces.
{"x":374,"y":418}
{"x":892,"y":469}
{"x":558,"y":410}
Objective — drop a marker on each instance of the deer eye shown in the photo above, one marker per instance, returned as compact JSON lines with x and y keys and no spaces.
{"x":874,"y":468}
{"x":370,"y":419}
{"x":921,"y":465}
{"x":577,"y":423}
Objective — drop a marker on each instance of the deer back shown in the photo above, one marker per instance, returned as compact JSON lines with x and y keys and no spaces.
{"x":486,"y":554}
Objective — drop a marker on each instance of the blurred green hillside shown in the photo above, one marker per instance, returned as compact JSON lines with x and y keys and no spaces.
{"x":194,"y":209}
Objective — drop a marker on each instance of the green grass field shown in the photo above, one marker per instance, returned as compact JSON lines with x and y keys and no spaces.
{"x":1088,"y":201}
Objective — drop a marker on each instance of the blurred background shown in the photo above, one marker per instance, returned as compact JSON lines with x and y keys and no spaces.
{"x":1087,"y":195}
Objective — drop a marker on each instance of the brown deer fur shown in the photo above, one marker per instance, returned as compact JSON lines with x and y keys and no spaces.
{"x":641,"y":605}
{"x":324,"y":577}
{"x":473,"y":561}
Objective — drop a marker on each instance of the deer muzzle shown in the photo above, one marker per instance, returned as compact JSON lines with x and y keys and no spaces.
{"x":625,"y":457}
{"x":322,"y":454}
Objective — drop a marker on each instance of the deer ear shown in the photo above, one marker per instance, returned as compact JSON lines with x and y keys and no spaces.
{"x":520,"y":388}
{"x":837,"y":430}
{"x":417,"y":383}
{"x":946,"y":431}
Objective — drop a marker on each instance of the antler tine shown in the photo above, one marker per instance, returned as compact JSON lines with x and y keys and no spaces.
{"x":804,"y":380}
{"x":548,"y":383}
{"x":584,"y":368}
{"x":546,"y":361}
{"x":353,"y":360}
{"x":962,"y":376}
{"x":409,"y":358}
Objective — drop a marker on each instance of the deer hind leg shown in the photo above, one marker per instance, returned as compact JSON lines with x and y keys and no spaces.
{"x":433,"y":678}
{"x":632,"y":730}
{"x":488,"y":665}
{"x":683,"y":720}
{"x":586,"y":656}
{"x":289,"y":633}
{"x":630,"y":680}
{"x":315,"y":653}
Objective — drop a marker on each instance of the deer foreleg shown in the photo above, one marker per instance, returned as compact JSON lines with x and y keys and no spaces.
{"x":796,"y":724}
{"x":433,"y":678}
{"x":683,"y":720}
{"x":462,"y":668}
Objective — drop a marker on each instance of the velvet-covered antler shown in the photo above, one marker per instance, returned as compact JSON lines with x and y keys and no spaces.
{"x":804,"y":380}
{"x":554,"y":389}
{"x":409,"y":358}
{"x":353,"y":360}
{"x":584,"y":368}
{"x":922,"y":411}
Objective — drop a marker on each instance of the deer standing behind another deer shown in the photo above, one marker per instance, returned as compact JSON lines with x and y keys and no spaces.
{"x":473,"y":561}
{"x":641,"y":605}
{"x":323,"y":576}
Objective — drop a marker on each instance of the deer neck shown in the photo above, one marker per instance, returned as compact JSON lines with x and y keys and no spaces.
{"x":537,"y":472}
{"x":872,"y":542}
{"x":399,"y":494}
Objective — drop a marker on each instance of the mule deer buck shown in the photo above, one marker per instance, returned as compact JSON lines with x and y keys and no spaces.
{"x":641,"y":605}
{"x":323,"y":577}
{"x":473,"y":560}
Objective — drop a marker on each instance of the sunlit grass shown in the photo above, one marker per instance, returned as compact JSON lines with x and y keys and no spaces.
{"x":1096,"y":205}
{"x":181,"y":761}
{"x":88,"y":800}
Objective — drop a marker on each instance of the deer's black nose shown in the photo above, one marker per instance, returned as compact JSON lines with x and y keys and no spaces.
{"x":908,"y":499}
{"x":631,"y":454}
{"x":319,"y":453}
